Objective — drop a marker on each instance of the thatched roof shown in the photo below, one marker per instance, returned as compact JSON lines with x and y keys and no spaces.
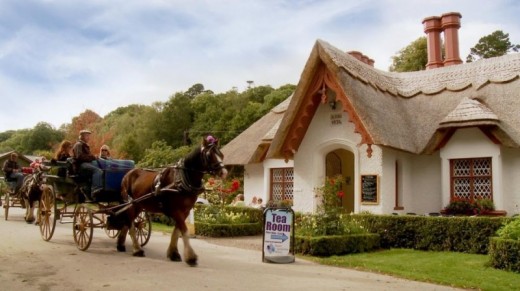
{"x":407,"y":111}
{"x":252,"y":144}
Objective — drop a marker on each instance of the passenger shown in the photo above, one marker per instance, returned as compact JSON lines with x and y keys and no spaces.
{"x":63,"y":152}
{"x":84,"y":167}
{"x":12,"y":171}
{"x":260,"y":204}
{"x":104,"y":152}
{"x":239,"y":201}
{"x":253,"y":202}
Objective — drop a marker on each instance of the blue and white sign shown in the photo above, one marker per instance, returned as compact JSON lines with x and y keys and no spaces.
{"x":278,"y":227}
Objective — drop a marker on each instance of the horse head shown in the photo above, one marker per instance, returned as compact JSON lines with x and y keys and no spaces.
{"x":212,"y":157}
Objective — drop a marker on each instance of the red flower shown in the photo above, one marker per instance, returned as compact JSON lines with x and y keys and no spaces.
{"x":332,"y":182}
{"x":340,"y":194}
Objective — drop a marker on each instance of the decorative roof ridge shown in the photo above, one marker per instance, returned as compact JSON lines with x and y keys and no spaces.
{"x":408,"y":84}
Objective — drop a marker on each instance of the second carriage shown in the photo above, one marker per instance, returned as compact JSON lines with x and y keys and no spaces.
{"x":63,"y":202}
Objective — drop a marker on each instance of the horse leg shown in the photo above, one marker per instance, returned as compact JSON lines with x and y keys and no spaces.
{"x":138,"y":251}
{"x":29,"y":210}
{"x":121,"y":239}
{"x":173,"y":251}
{"x":189,"y":254}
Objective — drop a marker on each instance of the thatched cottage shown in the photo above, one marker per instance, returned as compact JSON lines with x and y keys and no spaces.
{"x":402,"y":142}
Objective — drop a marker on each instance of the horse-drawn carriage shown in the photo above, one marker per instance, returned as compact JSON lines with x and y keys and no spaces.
{"x":13,"y":199}
{"x":62,"y":201}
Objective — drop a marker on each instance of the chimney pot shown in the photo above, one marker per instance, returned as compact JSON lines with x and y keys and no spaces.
{"x":450,"y":24}
{"x":433,"y":28}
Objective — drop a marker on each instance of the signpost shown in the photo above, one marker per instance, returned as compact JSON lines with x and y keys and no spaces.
{"x":278,"y":236}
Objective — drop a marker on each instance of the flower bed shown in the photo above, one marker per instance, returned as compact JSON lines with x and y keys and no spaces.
{"x":225,"y":221}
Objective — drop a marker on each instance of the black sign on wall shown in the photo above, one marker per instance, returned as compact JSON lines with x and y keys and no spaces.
{"x":369,"y":189}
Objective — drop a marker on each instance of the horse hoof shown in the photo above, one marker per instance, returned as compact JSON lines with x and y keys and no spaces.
{"x":175,"y":257}
{"x":121,"y":249}
{"x":139,"y":253}
{"x":192,"y":262}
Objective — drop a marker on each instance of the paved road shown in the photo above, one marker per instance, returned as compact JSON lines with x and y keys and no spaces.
{"x":29,"y":263}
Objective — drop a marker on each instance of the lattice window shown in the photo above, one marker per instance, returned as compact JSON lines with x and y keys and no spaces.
{"x":471,"y":179}
{"x":282,"y":184}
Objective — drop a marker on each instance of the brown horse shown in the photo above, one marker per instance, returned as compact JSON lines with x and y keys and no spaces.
{"x":31,"y":191}
{"x":172,"y":192}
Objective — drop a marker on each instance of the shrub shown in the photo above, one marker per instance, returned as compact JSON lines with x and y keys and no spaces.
{"x":336,"y":245}
{"x":227,"y":230}
{"x":327,"y":224}
{"x":460,"y":234}
{"x":505,"y":254}
{"x":510,"y":230}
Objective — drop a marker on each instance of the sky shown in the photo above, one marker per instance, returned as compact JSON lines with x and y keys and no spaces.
{"x":59,"y":58}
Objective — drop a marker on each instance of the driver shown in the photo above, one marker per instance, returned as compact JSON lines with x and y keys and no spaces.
{"x":85,"y":168}
{"x":13,"y":172}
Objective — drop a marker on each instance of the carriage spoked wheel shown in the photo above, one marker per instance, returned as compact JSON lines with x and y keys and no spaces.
{"x":47,"y":213}
{"x":83,"y":227}
{"x":143,"y":227}
{"x":111,"y":233}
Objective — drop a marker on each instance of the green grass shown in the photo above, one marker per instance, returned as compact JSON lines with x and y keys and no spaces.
{"x":161,"y":227}
{"x":444,"y":268}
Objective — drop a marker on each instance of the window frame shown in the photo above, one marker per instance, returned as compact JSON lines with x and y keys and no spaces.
{"x":284,"y":183}
{"x":471,"y":177}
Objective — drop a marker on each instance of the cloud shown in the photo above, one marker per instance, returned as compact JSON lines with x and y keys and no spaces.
{"x":59,"y":58}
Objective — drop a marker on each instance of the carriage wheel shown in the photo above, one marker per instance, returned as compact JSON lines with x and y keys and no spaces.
{"x":47,"y":213}
{"x":82,"y":227}
{"x":143,"y":227}
{"x":6,"y":205}
{"x":111,"y":233}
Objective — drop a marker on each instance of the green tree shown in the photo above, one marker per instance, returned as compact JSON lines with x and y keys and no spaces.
{"x":159,"y":155}
{"x":413,"y":57}
{"x":493,"y":45}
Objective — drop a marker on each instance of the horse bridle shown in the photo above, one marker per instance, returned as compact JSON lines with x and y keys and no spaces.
{"x":212,"y":168}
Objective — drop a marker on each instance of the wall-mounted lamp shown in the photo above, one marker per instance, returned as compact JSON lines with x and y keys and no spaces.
{"x":331,"y":98}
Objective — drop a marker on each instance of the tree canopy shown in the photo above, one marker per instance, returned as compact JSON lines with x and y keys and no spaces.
{"x":413,"y":57}
{"x":492,"y":45}
{"x":155,"y":135}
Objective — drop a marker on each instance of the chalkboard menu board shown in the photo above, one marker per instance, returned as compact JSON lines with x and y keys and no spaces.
{"x":370,"y":189}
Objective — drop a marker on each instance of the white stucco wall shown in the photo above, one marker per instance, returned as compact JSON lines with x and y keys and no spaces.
{"x":510,"y":180}
{"x":257,"y":178}
{"x":254,"y":182}
{"x":329,"y":130}
{"x":472,"y":143}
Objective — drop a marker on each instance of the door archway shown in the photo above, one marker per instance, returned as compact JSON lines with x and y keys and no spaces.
{"x":341,"y":162}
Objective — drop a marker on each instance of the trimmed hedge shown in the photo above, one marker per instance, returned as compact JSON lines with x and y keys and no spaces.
{"x":505,"y":254}
{"x":336,"y":244}
{"x":227,"y":230}
{"x":459,"y":234}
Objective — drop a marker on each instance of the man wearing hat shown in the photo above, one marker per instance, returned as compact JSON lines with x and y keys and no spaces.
{"x":83,"y":164}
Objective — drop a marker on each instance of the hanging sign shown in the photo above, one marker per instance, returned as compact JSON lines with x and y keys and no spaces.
{"x":278,"y":236}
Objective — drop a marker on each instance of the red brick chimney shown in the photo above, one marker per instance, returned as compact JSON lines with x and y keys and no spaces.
{"x":450,"y":24}
{"x":433,"y":28}
{"x":362,"y":58}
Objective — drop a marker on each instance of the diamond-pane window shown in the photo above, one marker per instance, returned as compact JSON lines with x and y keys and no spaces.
{"x":282,"y":184}
{"x":471,"y":179}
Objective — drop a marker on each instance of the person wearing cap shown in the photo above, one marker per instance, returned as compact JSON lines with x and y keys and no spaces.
{"x":13,"y":172}
{"x":83,"y":164}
